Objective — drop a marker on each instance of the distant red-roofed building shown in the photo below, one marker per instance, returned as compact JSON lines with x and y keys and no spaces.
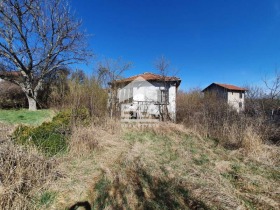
{"x":10,"y":75}
{"x":233,"y":95}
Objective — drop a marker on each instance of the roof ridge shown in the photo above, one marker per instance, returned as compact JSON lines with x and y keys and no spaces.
{"x":138,"y":75}
{"x":150,"y":76}
{"x":229,"y":86}
{"x":225,"y":84}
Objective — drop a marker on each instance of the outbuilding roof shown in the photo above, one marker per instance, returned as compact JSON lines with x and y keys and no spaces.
{"x":227,"y":86}
{"x":10,"y":73}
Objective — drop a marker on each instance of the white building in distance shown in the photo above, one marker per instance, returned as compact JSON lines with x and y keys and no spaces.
{"x":233,"y":95}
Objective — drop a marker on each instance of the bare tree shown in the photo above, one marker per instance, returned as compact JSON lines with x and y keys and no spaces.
{"x":273,"y":94}
{"x":37,"y":38}
{"x":108,"y":71}
{"x":254,"y":100}
{"x":273,"y":86}
{"x":162,"y":65}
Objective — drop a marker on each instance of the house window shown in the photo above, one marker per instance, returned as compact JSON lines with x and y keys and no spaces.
{"x":125,"y":95}
{"x":163,"y":96}
{"x":130,"y":95}
{"x":240,"y":95}
{"x":240,"y":105}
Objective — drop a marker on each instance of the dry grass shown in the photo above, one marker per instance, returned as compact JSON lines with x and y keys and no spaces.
{"x":85,"y":140}
{"x":162,"y":167}
{"x":22,"y":174}
{"x":212,"y":117}
{"x":165,"y":167}
{"x":92,"y":149}
{"x":5,"y":131}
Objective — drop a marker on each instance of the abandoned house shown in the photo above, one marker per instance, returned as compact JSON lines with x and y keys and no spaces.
{"x":146,"y":96}
{"x":233,"y":95}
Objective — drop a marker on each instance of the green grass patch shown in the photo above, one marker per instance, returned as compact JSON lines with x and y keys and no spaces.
{"x":144,"y":136}
{"x":203,"y":159}
{"x":25,"y":117}
{"x":45,"y":199}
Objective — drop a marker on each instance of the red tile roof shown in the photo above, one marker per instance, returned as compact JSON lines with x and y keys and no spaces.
{"x":150,"y":77}
{"x":10,"y":73}
{"x":227,"y":86}
{"x":230,"y":87}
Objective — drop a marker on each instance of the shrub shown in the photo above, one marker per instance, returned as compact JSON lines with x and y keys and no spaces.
{"x":50,"y":137}
{"x":11,"y":96}
{"x":87,"y":96}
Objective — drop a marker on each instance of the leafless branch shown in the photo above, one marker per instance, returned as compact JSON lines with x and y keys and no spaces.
{"x":37,"y":38}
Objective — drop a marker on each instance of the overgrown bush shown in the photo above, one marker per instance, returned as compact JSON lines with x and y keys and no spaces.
{"x":55,"y":89}
{"x":53,"y":93}
{"x":214,"y":118}
{"x":84,"y":97}
{"x":88,"y":95}
{"x":11,"y":96}
{"x":50,"y":137}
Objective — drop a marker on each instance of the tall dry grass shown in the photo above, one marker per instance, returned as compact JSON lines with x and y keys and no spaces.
{"x":87,"y":94}
{"x":163,"y":167}
{"x":86,"y":139}
{"x":23,"y":172}
{"x":169,"y":167}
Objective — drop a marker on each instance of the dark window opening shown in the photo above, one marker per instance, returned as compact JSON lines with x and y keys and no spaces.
{"x":163,"y":96}
{"x":240,"y":104}
{"x":240,"y":95}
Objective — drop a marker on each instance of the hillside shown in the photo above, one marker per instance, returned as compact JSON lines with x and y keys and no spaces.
{"x":164,"y":167}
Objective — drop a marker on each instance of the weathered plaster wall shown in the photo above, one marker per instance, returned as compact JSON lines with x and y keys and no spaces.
{"x":234,"y":100}
{"x":148,"y":92}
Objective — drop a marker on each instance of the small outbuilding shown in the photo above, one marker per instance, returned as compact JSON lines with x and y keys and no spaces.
{"x":233,"y":95}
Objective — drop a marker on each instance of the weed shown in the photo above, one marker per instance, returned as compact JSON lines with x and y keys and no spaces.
{"x":202,"y":160}
{"x":45,"y":199}
{"x":249,"y":204}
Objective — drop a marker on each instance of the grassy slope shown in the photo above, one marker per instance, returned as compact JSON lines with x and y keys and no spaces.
{"x":165,"y":168}
{"x":24,"y":116}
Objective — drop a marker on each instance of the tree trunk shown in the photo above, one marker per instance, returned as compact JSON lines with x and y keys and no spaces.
{"x":31,"y":104}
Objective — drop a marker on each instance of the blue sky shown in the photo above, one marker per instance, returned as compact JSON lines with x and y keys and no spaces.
{"x":235,"y":42}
